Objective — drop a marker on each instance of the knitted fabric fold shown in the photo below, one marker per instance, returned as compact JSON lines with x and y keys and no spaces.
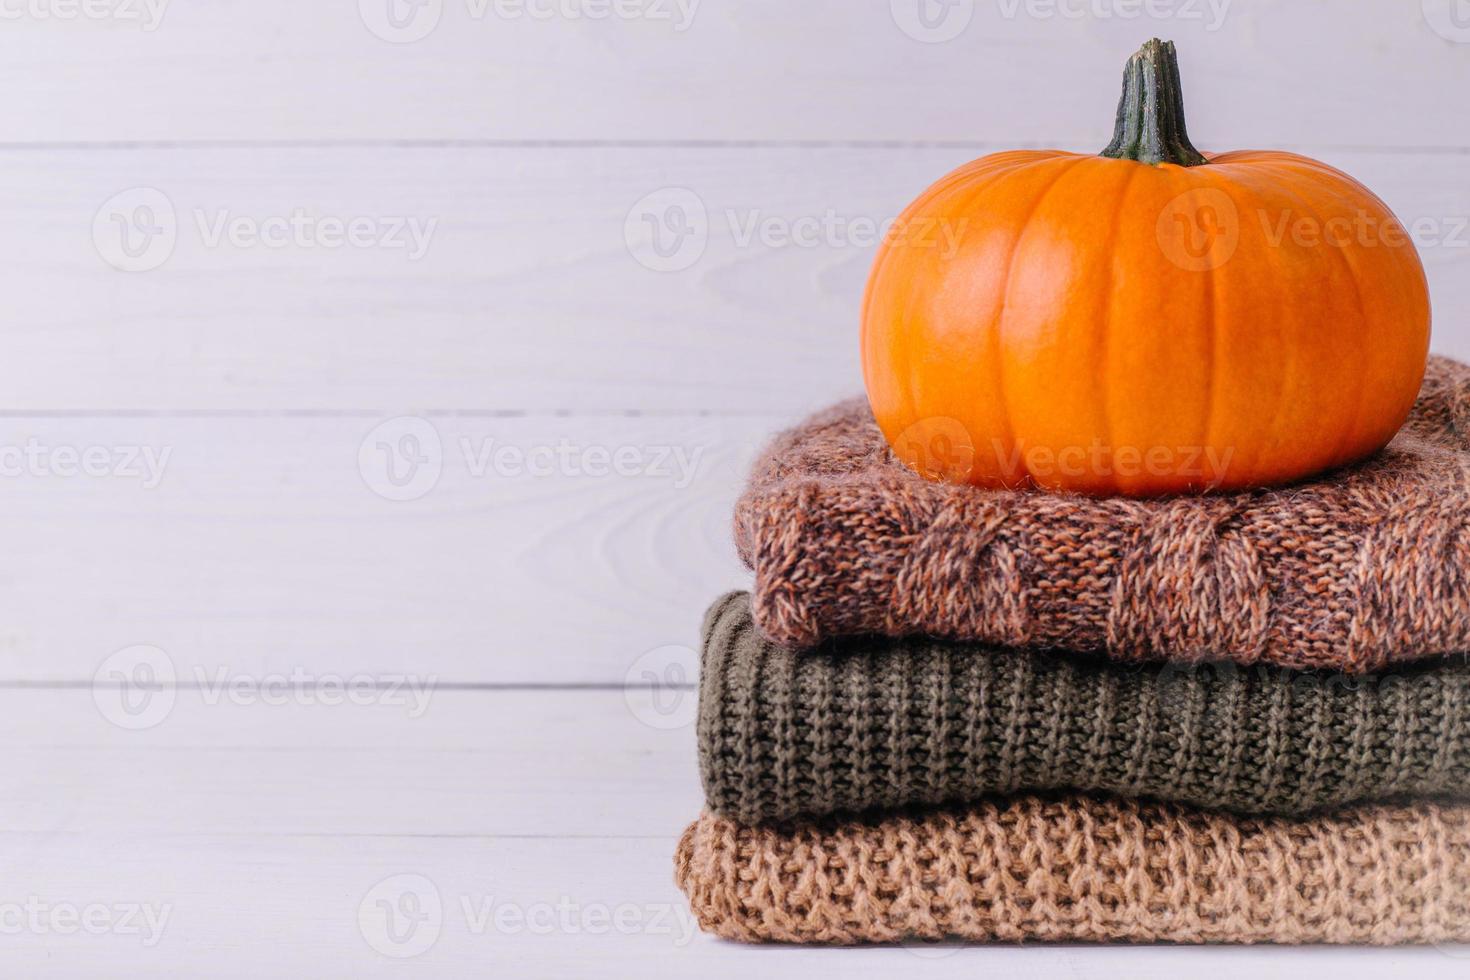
{"x":1089,"y":870}
{"x":876,"y":722}
{"x":1351,"y":571}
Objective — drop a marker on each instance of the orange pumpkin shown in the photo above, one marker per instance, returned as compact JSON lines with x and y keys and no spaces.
{"x":1144,"y":321}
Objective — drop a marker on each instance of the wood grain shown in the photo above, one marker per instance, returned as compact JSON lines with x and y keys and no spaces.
{"x":1264,"y":73}
{"x":528,"y":297}
{"x":295,"y":761}
{"x":267,"y":544}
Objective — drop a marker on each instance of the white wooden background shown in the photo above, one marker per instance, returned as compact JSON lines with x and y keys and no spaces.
{"x":246,"y":409}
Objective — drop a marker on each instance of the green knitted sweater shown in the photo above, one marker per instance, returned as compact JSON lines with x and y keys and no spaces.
{"x":875,"y":723}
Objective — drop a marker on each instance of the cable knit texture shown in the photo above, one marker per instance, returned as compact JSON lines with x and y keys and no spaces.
{"x":1090,"y":870}
{"x":1350,"y":572}
{"x":886,"y":723}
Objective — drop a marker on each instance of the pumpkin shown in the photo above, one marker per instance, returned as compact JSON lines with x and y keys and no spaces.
{"x":1144,"y":321}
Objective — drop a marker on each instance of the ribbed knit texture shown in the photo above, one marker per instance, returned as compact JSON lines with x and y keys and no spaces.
{"x":885,"y":723}
{"x":1351,"y":571}
{"x":1090,"y":870}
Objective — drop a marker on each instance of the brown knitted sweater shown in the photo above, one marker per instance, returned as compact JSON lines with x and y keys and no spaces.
{"x":1351,"y":571}
{"x":1082,"y":869}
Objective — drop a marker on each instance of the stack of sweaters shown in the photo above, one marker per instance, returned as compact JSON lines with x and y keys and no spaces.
{"x":953,"y":713}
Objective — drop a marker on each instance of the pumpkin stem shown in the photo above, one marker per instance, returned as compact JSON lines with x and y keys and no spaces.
{"x":1150,"y":127}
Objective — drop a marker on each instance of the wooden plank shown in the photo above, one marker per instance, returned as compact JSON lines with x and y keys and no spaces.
{"x":527,"y":549}
{"x":528,"y":297}
{"x":309,"y":759}
{"x":1259,"y":73}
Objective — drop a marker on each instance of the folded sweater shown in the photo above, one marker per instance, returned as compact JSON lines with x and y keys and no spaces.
{"x":876,"y":722}
{"x":1351,"y":571}
{"x":1081,"y":869}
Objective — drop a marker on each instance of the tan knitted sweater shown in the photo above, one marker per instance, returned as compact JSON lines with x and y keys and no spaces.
{"x":1083,"y":869}
{"x":1350,"y":572}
